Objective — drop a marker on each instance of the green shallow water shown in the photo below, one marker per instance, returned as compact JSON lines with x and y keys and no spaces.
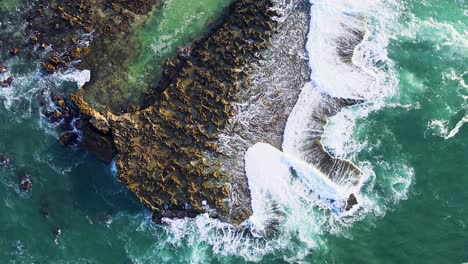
{"x":101,"y":222}
{"x":178,"y":23}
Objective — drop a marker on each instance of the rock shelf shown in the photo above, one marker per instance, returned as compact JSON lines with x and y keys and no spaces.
{"x":162,"y":148}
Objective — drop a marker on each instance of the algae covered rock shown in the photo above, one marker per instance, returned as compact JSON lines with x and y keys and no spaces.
{"x":167,"y":150}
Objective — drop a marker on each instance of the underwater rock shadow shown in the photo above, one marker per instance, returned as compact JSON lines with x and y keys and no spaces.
{"x":97,"y":193}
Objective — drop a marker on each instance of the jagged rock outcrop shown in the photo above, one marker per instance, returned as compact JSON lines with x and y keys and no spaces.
{"x":163,"y":148}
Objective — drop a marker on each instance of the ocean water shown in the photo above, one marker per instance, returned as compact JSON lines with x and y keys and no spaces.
{"x":409,"y":138}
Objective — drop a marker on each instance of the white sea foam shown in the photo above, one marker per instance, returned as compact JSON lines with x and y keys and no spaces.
{"x":334,"y":22}
{"x":441,"y":33}
{"x":271,"y":182}
{"x":371,"y":74}
{"x":113,"y":168}
{"x":438,"y":127}
{"x":457,"y":127}
{"x":25,"y":87}
{"x":338,"y":133}
{"x":76,"y":76}
{"x":299,"y":124}
{"x":285,"y":206}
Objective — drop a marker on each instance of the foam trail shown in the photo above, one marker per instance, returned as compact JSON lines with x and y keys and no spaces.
{"x":76,"y":76}
{"x":457,"y":127}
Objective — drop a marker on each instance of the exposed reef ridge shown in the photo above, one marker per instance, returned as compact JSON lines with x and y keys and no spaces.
{"x":163,"y":148}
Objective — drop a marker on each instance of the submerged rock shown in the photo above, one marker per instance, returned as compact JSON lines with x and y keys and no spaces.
{"x":25,"y":182}
{"x":45,"y":209}
{"x":68,"y":138}
{"x":5,"y":161}
{"x":96,"y":142}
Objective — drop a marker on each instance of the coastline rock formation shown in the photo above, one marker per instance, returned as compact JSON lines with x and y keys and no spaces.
{"x":181,"y":150}
{"x":163,"y":148}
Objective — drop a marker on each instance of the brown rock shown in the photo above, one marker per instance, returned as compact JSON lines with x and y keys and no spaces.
{"x":162,"y":148}
{"x":33,"y":39}
{"x":57,"y":114}
{"x":3,"y":69}
{"x":61,"y":103}
{"x":100,"y":123}
{"x":78,"y":52}
{"x":54,"y":60}
{"x":50,"y":68}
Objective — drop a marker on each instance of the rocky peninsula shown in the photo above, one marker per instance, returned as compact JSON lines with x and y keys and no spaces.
{"x":180,"y":150}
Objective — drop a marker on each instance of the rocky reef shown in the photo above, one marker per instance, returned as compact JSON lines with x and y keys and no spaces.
{"x":181,"y":149}
{"x":99,"y":35}
{"x":163,"y":148}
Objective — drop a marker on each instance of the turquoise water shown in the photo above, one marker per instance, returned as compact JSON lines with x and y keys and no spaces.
{"x":430,"y":51}
{"x":415,"y":159}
